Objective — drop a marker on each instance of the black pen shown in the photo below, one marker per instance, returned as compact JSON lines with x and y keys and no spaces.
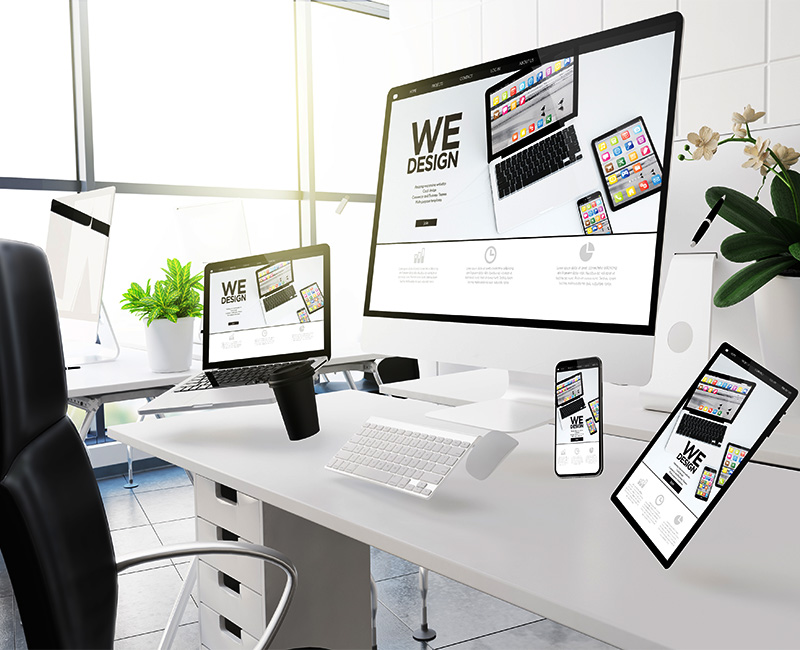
{"x":707,"y":222}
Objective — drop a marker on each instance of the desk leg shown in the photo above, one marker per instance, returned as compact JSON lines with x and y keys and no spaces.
{"x":331,"y":607}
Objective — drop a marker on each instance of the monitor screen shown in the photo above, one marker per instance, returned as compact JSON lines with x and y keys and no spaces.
{"x":439,"y":251}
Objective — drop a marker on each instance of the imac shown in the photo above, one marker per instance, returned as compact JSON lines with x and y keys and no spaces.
{"x":494,"y":246}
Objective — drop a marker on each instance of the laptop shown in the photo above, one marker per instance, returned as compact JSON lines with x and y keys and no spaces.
{"x":569,"y":396}
{"x":243,"y":340}
{"x":532,"y":145}
{"x":275,"y":284}
{"x":716,"y":401}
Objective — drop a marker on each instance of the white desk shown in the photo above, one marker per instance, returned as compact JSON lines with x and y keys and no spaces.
{"x":555,"y":547}
{"x":623,"y":414}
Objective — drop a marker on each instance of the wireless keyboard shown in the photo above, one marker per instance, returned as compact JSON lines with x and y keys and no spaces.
{"x":702,"y":430}
{"x":572,"y":408}
{"x":406,"y":457}
{"x":279,"y":297}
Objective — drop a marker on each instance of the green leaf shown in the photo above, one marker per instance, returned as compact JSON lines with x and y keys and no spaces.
{"x":742,"y":211}
{"x":751,"y":278}
{"x":790,"y":230}
{"x":782,"y":199}
{"x":748,"y":246}
{"x":794,"y":249}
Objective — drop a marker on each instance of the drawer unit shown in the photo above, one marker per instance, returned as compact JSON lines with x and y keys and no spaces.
{"x":220,"y":633}
{"x":223,"y":506}
{"x":232,"y":599}
{"x":249,"y":571}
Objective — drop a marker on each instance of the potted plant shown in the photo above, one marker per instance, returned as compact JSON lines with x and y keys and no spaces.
{"x":769,"y":243}
{"x":170,"y":310}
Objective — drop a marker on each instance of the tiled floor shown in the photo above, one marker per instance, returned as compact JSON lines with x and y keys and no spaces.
{"x":160,"y":511}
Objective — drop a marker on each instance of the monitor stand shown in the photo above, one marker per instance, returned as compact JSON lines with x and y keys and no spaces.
{"x":77,"y":353}
{"x":526,"y":404}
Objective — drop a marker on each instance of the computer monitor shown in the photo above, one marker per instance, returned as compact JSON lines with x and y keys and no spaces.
{"x":559,"y":259}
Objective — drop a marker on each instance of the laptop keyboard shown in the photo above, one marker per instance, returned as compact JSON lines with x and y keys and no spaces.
{"x":572,"y":408}
{"x":702,"y":430}
{"x":407,"y":457}
{"x":279,"y":297}
{"x":537,"y":161}
{"x":232,"y":377}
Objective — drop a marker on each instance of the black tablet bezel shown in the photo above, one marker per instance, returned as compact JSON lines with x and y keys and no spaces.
{"x":305,"y":301}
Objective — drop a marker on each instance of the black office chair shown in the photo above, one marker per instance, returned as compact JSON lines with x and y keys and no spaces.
{"x":54,"y":534}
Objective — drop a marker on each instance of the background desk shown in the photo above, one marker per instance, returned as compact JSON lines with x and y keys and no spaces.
{"x":555,"y":547}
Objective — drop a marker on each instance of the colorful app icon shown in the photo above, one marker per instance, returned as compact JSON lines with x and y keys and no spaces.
{"x":549,"y":71}
{"x":530,"y":81}
{"x":612,"y":179}
{"x":521,"y":100}
{"x":645,"y":150}
{"x":605,"y":156}
{"x":495,"y":115}
{"x":629,"y":146}
{"x":636,"y":169}
{"x":614,"y":140}
{"x":549,"y":118}
{"x":655,"y":179}
{"x":495,"y":100}
{"x":610,"y":168}
{"x":514,"y":136}
{"x":531,"y":128}
{"x":513,"y":104}
{"x":644,"y":186}
{"x":620,"y":162}
{"x":584,"y":208}
{"x":557,"y":66}
{"x":637,"y":129}
{"x":505,"y":95}
{"x":633,"y":156}
{"x":568,"y":60}
{"x":594,"y":204}
{"x":513,"y":91}
{"x":522,"y":133}
{"x":641,"y":139}
{"x":505,"y":109}
{"x":601,"y":146}
{"x":522,"y":86}
{"x":617,"y":151}
{"x":625,"y":173}
{"x":618,"y":197}
{"x":631,"y":191}
{"x":600,"y":208}
{"x":539,"y":124}
{"x":626,"y":135}
{"x":539,"y":76}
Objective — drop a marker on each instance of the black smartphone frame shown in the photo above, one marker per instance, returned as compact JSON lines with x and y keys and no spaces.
{"x":576,"y":365}
{"x":697,"y":494}
{"x":586,"y":199}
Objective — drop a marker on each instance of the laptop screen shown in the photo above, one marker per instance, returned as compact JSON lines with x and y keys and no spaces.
{"x":244,"y":325}
{"x":719,"y":396}
{"x":532,"y":104}
{"x":569,"y":389}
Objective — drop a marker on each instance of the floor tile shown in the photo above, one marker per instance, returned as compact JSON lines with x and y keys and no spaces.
{"x":455,"y":611}
{"x":146,"y":599}
{"x":187,"y":638}
{"x":542,"y":635}
{"x":393,"y":634}
{"x":113,"y":486}
{"x":7,"y":622}
{"x":385,"y":565}
{"x":160,"y":479}
{"x":124,"y":512}
{"x":168,"y":504}
{"x":179,"y":531}
{"x":132,"y":540}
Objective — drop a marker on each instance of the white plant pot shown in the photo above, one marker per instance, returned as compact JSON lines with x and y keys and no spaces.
{"x":169,"y":345}
{"x":777,"y":307}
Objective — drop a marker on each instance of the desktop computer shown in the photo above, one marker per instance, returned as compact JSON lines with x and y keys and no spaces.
{"x":520,"y":214}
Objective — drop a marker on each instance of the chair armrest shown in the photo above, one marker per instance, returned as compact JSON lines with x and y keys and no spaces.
{"x":228,"y":548}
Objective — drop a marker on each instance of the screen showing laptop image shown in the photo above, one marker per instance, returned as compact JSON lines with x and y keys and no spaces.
{"x":244,"y":339}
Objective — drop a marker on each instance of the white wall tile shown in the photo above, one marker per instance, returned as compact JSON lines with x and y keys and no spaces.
{"x":561,"y":21}
{"x":783,"y":103}
{"x":711,"y":99}
{"x":456,"y":38}
{"x":621,"y":12}
{"x":722,"y":34}
{"x":784,"y":18}
{"x":503,"y":36}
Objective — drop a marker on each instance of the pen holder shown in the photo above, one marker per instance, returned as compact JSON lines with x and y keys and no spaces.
{"x":294,"y":392}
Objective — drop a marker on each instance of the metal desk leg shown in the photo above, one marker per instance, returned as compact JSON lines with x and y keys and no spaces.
{"x":424,"y":633}
{"x":349,"y":379}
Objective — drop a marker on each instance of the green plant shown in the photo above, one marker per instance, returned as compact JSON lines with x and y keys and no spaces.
{"x":176,"y":297}
{"x":771,"y":242}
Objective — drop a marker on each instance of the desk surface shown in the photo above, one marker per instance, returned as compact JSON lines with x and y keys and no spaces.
{"x":553,"y":546}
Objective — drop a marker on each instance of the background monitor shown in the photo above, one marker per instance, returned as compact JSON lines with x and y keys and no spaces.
{"x":446,"y":284}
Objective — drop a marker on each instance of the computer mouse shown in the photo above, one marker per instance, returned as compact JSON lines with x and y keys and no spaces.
{"x":488,"y":452}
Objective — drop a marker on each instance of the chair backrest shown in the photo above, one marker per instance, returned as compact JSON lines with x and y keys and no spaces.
{"x":54,"y":534}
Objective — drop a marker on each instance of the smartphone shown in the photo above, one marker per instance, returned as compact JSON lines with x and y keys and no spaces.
{"x":594,"y":216}
{"x":705,"y":484}
{"x":734,"y":456}
{"x":579,"y":418}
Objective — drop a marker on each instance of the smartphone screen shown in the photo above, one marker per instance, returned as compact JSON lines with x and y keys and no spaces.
{"x":734,"y":456}
{"x":594,"y":217}
{"x":578,"y":418}
{"x":705,"y":484}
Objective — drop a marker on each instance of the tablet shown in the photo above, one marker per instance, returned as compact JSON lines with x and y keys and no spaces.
{"x":628,"y":163}
{"x":313,"y":298}
{"x":674,"y":485}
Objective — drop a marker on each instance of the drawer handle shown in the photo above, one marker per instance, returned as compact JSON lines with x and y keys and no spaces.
{"x":230,"y":627}
{"x":225,"y":535}
{"x":230,"y":583}
{"x":224,"y":493}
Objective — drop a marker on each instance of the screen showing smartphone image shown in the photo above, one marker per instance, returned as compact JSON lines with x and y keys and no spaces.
{"x":578,"y":437}
{"x":671,"y":488}
{"x":594,"y":217}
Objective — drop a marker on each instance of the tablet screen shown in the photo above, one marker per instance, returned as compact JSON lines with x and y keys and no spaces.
{"x":679,"y":478}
